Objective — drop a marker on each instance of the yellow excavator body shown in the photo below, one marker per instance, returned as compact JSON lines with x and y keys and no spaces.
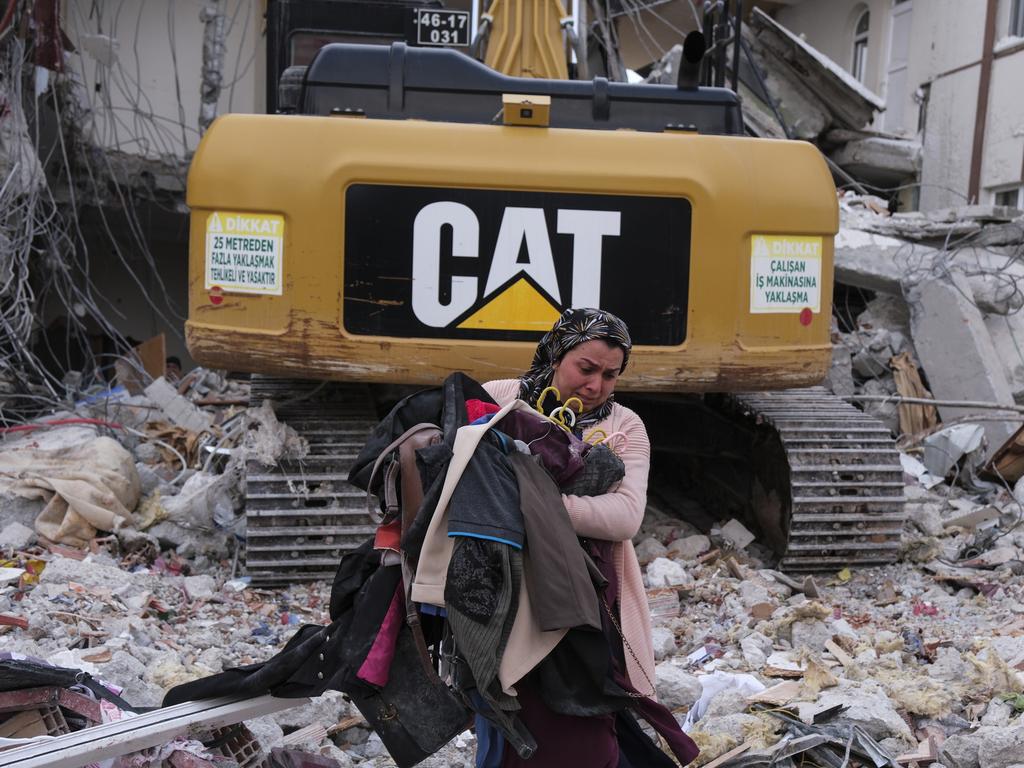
{"x":423,"y":214}
{"x":759,"y":211}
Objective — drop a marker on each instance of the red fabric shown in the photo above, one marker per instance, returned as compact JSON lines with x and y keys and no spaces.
{"x":377,"y":664}
{"x":389,"y":535}
{"x":477,"y":408}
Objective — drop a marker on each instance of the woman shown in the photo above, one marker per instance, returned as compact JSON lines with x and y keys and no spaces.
{"x":582,"y":356}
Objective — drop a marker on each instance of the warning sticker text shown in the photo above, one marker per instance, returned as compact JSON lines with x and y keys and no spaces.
{"x":244,"y":252}
{"x":785,"y":273}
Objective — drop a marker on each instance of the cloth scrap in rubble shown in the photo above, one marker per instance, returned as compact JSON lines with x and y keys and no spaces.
{"x":88,"y":486}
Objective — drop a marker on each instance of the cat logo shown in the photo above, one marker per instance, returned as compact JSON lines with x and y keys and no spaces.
{"x":464,"y":263}
{"x":522,"y":295}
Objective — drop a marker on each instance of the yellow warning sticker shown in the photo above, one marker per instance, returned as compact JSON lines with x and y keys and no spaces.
{"x":785,"y":273}
{"x":244,"y":252}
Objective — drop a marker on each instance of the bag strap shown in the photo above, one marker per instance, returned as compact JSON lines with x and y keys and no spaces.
{"x":390,"y":495}
{"x":412,"y":485}
{"x":389,"y":483}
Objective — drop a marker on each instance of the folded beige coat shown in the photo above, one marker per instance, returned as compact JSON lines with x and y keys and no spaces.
{"x":88,"y":487}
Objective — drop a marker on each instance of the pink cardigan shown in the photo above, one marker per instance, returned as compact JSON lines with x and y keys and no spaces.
{"x":616,"y":516}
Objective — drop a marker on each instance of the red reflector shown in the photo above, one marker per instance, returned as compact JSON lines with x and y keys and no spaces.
{"x":806,"y":316}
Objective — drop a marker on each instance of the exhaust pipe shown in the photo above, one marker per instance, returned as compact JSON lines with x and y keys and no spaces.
{"x":690,"y":63}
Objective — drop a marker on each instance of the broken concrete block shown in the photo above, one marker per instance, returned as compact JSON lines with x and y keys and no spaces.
{"x":689,"y":547}
{"x":16,"y":536}
{"x":898,"y":157}
{"x":1007,"y":334}
{"x":869,"y":364}
{"x":887,"y":413}
{"x":177,"y":409}
{"x":957,"y":353}
{"x":663,"y":572}
{"x":664,"y":641}
{"x":756,"y":649}
{"x":649,"y":549}
{"x":867,"y":706}
{"x":675,"y":686}
{"x":987,"y":747}
{"x":737,"y":534}
{"x":839,"y":379}
{"x":887,"y":311}
{"x":874,"y":262}
{"x":811,"y":634}
{"x":325,"y":710}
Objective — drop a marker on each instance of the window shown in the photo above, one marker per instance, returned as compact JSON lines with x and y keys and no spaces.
{"x":860,"y":46}
{"x":1012,"y":197}
{"x":1017,"y":18}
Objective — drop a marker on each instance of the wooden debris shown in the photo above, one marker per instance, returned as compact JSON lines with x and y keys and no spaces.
{"x":841,"y":656}
{"x":315,"y":733}
{"x":723,"y":759}
{"x":927,"y":752}
{"x":712,"y":555}
{"x":735,"y":569}
{"x":1008,"y":462}
{"x":777,"y":695}
{"x":780,"y":664}
{"x":62,"y":551}
{"x":100,"y":657}
{"x":346,"y":723}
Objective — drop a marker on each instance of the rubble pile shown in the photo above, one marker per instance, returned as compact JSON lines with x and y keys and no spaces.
{"x":917,"y":662}
{"x":929,"y":306}
{"x":120,"y":544}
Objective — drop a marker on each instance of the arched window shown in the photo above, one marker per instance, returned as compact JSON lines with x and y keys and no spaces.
{"x":860,"y":46}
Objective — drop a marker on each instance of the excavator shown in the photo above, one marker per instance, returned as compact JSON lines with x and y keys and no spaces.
{"x":409,"y":210}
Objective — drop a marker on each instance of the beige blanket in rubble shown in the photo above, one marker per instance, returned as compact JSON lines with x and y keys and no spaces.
{"x":88,"y":487}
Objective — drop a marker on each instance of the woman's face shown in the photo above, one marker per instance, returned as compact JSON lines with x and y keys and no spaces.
{"x":588,"y":371}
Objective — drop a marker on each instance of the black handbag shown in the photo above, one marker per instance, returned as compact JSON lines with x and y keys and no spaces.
{"x":415,"y":714}
{"x":16,"y":675}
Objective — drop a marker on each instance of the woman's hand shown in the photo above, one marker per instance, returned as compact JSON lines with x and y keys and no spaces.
{"x":617,"y":514}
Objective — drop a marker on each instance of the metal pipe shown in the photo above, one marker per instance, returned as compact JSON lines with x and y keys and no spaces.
{"x":898,"y":399}
{"x":737,"y":30}
{"x":721,"y":36}
{"x":981,"y":112}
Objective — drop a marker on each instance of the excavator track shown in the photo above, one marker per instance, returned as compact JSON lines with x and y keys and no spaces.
{"x":301,"y":514}
{"x":845,"y":504}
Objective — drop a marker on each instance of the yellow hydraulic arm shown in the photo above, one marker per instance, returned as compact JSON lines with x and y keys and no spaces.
{"x":526,"y":38}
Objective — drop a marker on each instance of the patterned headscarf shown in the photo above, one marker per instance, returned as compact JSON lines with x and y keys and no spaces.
{"x":574,"y":327}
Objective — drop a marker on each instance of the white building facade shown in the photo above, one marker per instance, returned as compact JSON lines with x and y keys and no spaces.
{"x":951,"y":73}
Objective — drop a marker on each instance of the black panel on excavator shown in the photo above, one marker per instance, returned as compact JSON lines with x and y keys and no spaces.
{"x":399,"y":82}
{"x":584,"y":250}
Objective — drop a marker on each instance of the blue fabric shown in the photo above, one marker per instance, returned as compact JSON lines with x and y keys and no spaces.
{"x":485,"y":502}
{"x":471,"y":535}
{"x":432,"y":610}
{"x":490,"y":743}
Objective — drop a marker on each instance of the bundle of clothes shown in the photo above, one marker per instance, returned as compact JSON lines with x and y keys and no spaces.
{"x":474,"y":596}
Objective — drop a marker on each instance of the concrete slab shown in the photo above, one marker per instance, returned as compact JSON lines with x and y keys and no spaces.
{"x":957,"y":353}
{"x":871,"y":261}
